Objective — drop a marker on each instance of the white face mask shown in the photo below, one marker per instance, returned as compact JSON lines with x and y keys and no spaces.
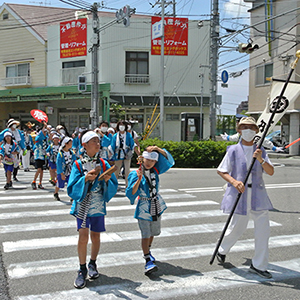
{"x":248,"y":135}
{"x":122,"y":127}
{"x":113,"y":125}
{"x":128,"y":127}
{"x":104,"y":129}
{"x":62,"y":131}
{"x":14,"y":126}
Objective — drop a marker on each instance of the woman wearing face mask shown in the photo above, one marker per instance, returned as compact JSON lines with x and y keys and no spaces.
{"x":105,"y":139}
{"x":254,"y":201}
{"x":121,"y":148}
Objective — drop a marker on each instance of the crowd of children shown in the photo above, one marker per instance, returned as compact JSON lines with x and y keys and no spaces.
{"x":83,"y":162}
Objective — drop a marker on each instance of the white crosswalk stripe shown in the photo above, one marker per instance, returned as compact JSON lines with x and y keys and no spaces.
{"x":33,"y":222}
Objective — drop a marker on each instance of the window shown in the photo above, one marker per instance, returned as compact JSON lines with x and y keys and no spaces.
{"x":262,"y":74}
{"x":5,"y":16}
{"x":137,"y":67}
{"x":172,"y":117}
{"x":19,"y":70}
{"x":73,"y":64}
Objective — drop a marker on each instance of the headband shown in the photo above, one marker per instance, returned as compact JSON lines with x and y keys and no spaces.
{"x":150,"y":155}
{"x":89,"y":135}
{"x":55,"y":136}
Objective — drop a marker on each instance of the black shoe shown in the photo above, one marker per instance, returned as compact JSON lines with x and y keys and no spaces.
{"x":15,"y":178}
{"x":263,"y":274}
{"x":93,"y":273}
{"x":80,"y":281}
{"x":6,"y":187}
{"x":56,"y":197}
{"x":221,"y":258}
{"x":40,"y":186}
{"x":10,"y":184}
{"x":33,"y":185}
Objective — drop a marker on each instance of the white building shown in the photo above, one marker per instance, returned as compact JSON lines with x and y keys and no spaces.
{"x":277,"y":40}
{"x":128,"y":73}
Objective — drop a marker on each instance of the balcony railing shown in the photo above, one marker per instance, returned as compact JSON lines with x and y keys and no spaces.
{"x":137,"y":78}
{"x":69,"y":76}
{"x":17,"y":81}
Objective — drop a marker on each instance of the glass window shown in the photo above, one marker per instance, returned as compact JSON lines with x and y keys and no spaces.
{"x":73,"y":64}
{"x":263,"y":73}
{"x":18,"y":70}
{"x":137,"y":63}
{"x":172,"y":117}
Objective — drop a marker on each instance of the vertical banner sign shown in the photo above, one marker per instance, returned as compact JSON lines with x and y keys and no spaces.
{"x":73,"y":38}
{"x":290,"y":95}
{"x":176,"y":36}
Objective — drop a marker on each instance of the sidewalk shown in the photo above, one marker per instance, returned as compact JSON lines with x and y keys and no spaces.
{"x":286,"y":159}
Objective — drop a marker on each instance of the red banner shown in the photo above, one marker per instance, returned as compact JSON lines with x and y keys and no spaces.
{"x":73,"y":38}
{"x":176,"y":37}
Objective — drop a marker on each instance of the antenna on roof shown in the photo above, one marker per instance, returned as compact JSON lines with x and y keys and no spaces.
{"x":45,"y":3}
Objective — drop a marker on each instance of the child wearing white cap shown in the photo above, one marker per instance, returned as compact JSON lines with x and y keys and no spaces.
{"x":52,"y":152}
{"x":7,"y":150}
{"x":144,"y":184}
{"x":89,"y":206}
{"x":64,"y":161}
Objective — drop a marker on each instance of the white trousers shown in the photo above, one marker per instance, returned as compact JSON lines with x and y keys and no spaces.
{"x":118,"y":164}
{"x":26,"y":160}
{"x":237,"y":227}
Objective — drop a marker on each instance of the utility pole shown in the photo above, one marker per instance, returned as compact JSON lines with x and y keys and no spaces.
{"x":214,"y":65}
{"x":163,"y":4}
{"x":174,"y":8}
{"x":94,"y":113}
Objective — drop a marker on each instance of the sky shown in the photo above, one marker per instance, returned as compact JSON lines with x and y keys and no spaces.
{"x":233,"y":16}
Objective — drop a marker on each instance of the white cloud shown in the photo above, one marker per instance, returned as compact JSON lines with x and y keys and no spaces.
{"x":237,"y":8}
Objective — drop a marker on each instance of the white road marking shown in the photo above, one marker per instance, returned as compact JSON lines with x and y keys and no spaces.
{"x":177,"y":286}
{"x":32,"y":214}
{"x":65,"y":241}
{"x":10,"y":228}
{"x":106,"y":260}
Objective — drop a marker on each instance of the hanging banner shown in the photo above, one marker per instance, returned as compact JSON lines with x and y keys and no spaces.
{"x":290,"y":95}
{"x":73,"y":38}
{"x":176,"y":36}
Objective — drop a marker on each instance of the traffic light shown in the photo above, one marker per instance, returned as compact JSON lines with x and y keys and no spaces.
{"x":126,"y":15}
{"x":247,"y":48}
{"x":81,"y":83}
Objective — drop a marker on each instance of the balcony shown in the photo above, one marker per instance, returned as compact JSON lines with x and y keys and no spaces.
{"x":137,"y":79}
{"x":69,"y":76}
{"x":16,"y":81}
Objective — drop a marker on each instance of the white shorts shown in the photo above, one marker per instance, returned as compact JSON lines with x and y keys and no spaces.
{"x":150,"y":228}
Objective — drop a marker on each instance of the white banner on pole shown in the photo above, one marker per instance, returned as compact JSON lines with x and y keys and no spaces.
{"x":290,"y":95}
{"x":157,"y":30}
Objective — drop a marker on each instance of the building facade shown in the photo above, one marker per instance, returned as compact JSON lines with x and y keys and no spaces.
{"x":128,"y":73}
{"x":277,"y":40}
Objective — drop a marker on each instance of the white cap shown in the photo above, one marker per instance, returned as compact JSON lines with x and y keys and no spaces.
{"x":7,"y":133}
{"x":150,"y":155}
{"x":89,"y":135}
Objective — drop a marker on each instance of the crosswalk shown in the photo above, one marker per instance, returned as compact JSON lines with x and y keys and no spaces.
{"x":39,"y":238}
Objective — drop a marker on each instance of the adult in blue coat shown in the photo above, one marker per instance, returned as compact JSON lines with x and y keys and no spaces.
{"x":121,"y":148}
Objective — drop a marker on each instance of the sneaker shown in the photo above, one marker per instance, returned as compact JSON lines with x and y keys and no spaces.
{"x":56,"y":197}
{"x":33,"y":185}
{"x":151,"y":257}
{"x":6,"y":187}
{"x":15,"y":178}
{"x":221,"y":258}
{"x":10,"y":184}
{"x":150,"y":267}
{"x":263,"y":274}
{"x":93,"y":273}
{"x":40,"y":186}
{"x":53,"y":182}
{"x":80,"y":281}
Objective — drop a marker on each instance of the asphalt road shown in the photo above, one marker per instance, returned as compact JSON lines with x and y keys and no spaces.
{"x":38,"y":243}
